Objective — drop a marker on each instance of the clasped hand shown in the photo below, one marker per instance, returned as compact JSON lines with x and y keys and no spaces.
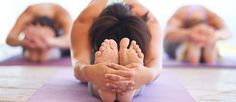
{"x":113,"y":77}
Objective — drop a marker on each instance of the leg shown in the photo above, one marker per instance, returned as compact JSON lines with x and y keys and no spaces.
{"x":31,"y":55}
{"x":108,"y":52}
{"x":133,"y":54}
{"x":43,"y":55}
{"x":193,"y":53}
{"x":210,"y":54}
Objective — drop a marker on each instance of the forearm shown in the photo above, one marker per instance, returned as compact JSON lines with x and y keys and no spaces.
{"x":155,"y":67}
{"x":13,"y":41}
{"x":60,"y":42}
{"x":146,"y":75}
{"x":177,"y":35}
{"x":79,"y":72}
{"x":222,"y":34}
{"x":80,"y":62}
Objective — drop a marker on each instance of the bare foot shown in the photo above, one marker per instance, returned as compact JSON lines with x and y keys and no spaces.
{"x":108,"y":52}
{"x":133,"y":54}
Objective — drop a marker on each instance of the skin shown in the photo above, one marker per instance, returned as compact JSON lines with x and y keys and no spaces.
{"x":108,"y":52}
{"x":115,"y":74}
{"x":197,"y":37}
{"x":35,"y":42}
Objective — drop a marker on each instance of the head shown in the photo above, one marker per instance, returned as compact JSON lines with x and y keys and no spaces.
{"x":43,"y":22}
{"x":196,"y":14}
{"x":116,"y":22}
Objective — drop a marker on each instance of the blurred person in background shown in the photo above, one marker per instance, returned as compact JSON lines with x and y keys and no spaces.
{"x":116,"y":48}
{"x":192,"y":33}
{"x":43,"y":30}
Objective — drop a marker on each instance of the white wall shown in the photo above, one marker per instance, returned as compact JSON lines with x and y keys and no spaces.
{"x":162,"y":9}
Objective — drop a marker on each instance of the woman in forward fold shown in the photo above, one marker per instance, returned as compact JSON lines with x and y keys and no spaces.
{"x":116,"y":48}
{"x":192,"y":34}
{"x":43,"y":30}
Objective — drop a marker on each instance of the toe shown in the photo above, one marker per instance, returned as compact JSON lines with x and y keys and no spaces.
{"x":106,"y":41}
{"x":140,"y":55}
{"x":132,"y":45}
{"x":138,"y":51}
{"x":103,"y":46}
{"x":124,"y":43}
{"x":113,"y":44}
{"x":98,"y":53}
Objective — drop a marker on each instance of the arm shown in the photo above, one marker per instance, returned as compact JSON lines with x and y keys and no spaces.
{"x":65,"y":22}
{"x":80,"y":45}
{"x":222,"y":32}
{"x":153,"y":59}
{"x":22,"y":21}
{"x":174,"y":30}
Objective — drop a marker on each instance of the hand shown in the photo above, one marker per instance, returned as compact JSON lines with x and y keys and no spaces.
{"x":48,"y":35}
{"x":201,"y":34}
{"x":211,"y":35}
{"x":96,"y":74}
{"x":138,"y":77}
{"x":33,"y":35}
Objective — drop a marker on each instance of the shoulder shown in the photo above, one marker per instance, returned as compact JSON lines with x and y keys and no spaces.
{"x":93,"y":10}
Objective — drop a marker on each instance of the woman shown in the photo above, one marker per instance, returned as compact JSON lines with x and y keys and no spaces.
{"x":100,"y":29}
{"x":40,"y":29}
{"x":192,"y":33}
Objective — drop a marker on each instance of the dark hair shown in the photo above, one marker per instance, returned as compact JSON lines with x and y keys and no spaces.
{"x":45,"y":21}
{"x":116,"y":22}
{"x":193,"y":22}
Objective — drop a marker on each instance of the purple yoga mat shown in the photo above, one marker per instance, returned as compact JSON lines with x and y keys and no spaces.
{"x":226,"y":62}
{"x":63,"y":87}
{"x":19,"y":60}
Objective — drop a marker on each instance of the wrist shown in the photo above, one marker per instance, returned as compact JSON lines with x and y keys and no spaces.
{"x":81,"y":72}
{"x":52,"y":42}
{"x":143,"y":76}
{"x":218,"y":35}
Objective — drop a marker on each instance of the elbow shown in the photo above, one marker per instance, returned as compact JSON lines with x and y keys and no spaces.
{"x":9,"y":40}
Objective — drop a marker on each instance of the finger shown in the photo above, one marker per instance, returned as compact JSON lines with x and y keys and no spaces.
{"x":40,"y":43}
{"x":111,"y":86}
{"x":28,"y":44}
{"x":114,"y":77}
{"x":117,"y":67}
{"x":126,"y":74}
{"x":125,"y":83}
{"x":132,"y":65}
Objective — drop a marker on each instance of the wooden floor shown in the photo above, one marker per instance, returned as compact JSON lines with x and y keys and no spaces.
{"x":18,"y":83}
